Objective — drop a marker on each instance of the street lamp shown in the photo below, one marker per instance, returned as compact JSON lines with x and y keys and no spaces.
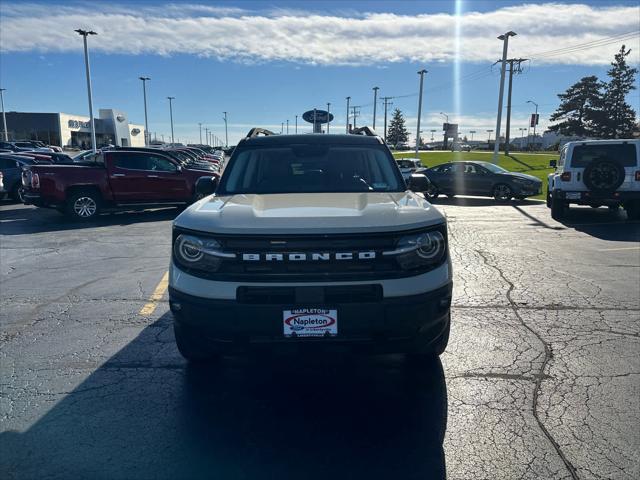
{"x":375,"y":104}
{"x":171,"y":114}
{"x":489,"y":132}
{"x":445,"y":116}
{"x":85,"y":34}
{"x":296,"y":124}
{"x":472,"y":132}
{"x":535,"y":121}
{"x":348,"y":99}
{"x":146,"y":123}
{"x":505,"y":45}
{"x":206,"y":135}
{"x":200,"y":127}
{"x":226,"y":131}
{"x":328,"y":116}
{"x":4,"y":118}
{"x":432,"y":132}
{"x":421,"y":73}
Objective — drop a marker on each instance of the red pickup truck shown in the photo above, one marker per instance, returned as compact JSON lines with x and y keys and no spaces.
{"x":117,"y":179}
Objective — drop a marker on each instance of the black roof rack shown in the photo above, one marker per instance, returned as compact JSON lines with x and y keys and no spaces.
{"x":254,"y":132}
{"x":368,"y":131}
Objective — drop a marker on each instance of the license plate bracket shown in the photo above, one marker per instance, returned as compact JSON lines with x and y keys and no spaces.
{"x":310,"y":322}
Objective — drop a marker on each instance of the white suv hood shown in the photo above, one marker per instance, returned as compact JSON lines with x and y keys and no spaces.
{"x":300,"y":213}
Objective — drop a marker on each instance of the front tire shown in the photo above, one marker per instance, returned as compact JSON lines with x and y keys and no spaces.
{"x":558,"y":208}
{"x":437,"y":348}
{"x":502,"y":192}
{"x":83,"y":205}
{"x":17,"y":193}
{"x":190,"y":347}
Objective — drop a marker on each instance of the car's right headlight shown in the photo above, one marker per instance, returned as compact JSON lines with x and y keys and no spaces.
{"x":201,"y":253}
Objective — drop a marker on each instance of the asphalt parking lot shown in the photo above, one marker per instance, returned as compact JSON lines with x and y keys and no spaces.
{"x":541,"y":378}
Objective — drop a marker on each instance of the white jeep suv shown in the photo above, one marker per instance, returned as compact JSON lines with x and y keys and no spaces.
{"x":596,"y":173}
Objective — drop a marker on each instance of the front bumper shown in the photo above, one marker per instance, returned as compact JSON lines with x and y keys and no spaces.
{"x":409,"y":324}
{"x":528,"y":190}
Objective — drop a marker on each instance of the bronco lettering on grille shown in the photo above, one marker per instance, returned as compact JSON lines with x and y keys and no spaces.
{"x":304,"y":257}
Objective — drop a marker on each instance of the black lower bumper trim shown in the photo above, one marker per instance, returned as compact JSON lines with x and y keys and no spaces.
{"x":390,"y":325}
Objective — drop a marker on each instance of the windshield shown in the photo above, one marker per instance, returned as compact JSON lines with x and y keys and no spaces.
{"x":493,"y":168}
{"x":311,"y":168}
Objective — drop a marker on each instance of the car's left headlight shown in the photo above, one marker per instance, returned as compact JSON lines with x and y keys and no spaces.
{"x":200,"y":253}
{"x":420,"y":250}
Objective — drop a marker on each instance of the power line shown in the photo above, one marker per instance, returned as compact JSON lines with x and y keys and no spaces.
{"x":585,"y":46}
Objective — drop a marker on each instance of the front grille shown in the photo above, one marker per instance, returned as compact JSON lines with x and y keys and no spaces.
{"x":309,"y":295}
{"x":307,"y":270}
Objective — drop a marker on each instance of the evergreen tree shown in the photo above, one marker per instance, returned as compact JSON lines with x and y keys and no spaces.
{"x":614,"y":117}
{"x":576,"y":111}
{"x":397,"y":132}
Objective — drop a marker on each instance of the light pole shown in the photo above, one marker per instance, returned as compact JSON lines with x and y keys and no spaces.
{"x":281,"y":128}
{"x":171,"y":114}
{"x":489,"y":132}
{"x":287,"y":126}
{"x":328,"y":116}
{"x":206,"y":135}
{"x":505,"y":46}
{"x":226,"y":131}
{"x":445,"y":139}
{"x":347,"y":127}
{"x":200,"y":127}
{"x":85,"y":34}
{"x":147,"y":138}
{"x":535,"y":121}
{"x":472,"y":132}
{"x":296,"y":123}
{"x":5,"y":134}
{"x":432,"y":132}
{"x":522,"y":130}
{"x":375,"y":104}
{"x":421,"y":73}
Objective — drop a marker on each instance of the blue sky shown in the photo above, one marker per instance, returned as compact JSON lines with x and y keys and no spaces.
{"x":265,"y":62}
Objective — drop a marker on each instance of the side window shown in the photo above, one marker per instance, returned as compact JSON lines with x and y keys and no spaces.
{"x":131,"y":161}
{"x":470,"y":168}
{"x":161,"y":164}
{"x":563,"y":155}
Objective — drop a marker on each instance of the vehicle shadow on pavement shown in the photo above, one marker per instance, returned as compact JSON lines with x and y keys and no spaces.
{"x":23,"y":220}
{"x":145,"y":413}
{"x":480,"y":202}
{"x":602,"y":223}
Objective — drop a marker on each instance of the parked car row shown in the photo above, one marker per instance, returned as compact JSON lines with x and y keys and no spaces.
{"x":118,"y":178}
{"x":28,"y":145}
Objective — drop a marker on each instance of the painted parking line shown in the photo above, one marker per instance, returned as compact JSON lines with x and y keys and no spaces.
{"x":151,"y":305}
{"x":618,"y":249}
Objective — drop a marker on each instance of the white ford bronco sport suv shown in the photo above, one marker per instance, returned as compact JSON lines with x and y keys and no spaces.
{"x":596,"y":173}
{"x":307,"y":241}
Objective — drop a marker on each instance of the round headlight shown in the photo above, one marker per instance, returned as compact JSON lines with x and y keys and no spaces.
{"x":430,"y":245}
{"x":189,"y":248}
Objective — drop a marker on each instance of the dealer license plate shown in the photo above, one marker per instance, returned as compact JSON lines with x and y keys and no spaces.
{"x":573,"y":195}
{"x":310,"y":322}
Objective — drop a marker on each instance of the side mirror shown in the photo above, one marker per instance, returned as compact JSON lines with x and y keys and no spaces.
{"x":179,"y":169}
{"x":553,"y":163}
{"x":418,"y":182}
{"x":206,"y":186}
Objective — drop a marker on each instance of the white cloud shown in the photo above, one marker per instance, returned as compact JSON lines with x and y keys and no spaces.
{"x":314,"y":38}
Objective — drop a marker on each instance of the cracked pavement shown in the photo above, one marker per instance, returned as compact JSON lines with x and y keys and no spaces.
{"x":541,"y":378}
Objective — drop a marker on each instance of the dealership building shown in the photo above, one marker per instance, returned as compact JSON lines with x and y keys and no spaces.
{"x":66,"y":130}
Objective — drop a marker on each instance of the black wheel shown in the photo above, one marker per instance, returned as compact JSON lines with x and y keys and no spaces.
{"x":633,"y":210}
{"x":191,"y":348}
{"x":603,"y":176}
{"x":431,"y":192}
{"x":83,"y":205}
{"x":17,"y":193}
{"x":548,"y":198}
{"x":558,"y":208}
{"x":502,"y":192}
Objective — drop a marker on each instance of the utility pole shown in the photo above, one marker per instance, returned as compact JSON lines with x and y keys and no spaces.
{"x":147,"y":135}
{"x":206,"y":135}
{"x":386,"y":105}
{"x":421,"y":73}
{"x":347,"y":127}
{"x":356,"y":114}
{"x":328,"y":116}
{"x":375,"y":104}
{"x":5,"y":134}
{"x":505,"y":46}
{"x":514,"y":65}
{"x":489,"y":132}
{"x":432,"y":132}
{"x":85,"y":34}
{"x":287,"y":126}
{"x":226,"y":131}
{"x":296,"y":124}
{"x":200,"y":127}
{"x":535,"y":121}
{"x":171,"y":114}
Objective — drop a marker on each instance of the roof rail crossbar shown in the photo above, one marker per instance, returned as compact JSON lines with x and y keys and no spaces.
{"x":368,"y":131}
{"x":254,"y":132}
